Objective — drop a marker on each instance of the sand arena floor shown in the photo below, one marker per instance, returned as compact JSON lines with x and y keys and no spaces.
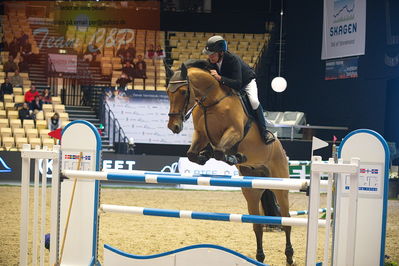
{"x":149,"y":235}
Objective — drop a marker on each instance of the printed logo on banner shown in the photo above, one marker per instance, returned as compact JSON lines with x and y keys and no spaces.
{"x":4,"y":168}
{"x":49,"y":170}
{"x":370,"y":180}
{"x":171,"y":168}
{"x":76,"y":157}
{"x":343,"y":10}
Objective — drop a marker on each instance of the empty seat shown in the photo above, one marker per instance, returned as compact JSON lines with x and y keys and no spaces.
{"x":47,"y":108}
{"x":31,"y":133}
{"x":19,"y":98}
{"x":15,"y":123}
{"x":64,"y":116}
{"x":40,"y":115}
{"x":3,"y":122}
{"x":8,"y":142}
{"x":8,"y":98}
{"x":5,"y":132}
{"x":28,"y":123}
{"x":20,"y":142}
{"x":17,"y":91}
{"x":59,"y":108}
{"x":56,"y":100}
{"x":48,"y":115}
{"x":43,"y":133}
{"x":18,"y":133}
{"x":49,"y":143}
{"x":41,"y":124}
{"x":9,"y":106}
{"x":35,"y":142}
{"x":3,"y":114}
{"x":12,"y":114}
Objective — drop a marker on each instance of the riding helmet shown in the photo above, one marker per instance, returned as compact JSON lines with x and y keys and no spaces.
{"x":215,"y":44}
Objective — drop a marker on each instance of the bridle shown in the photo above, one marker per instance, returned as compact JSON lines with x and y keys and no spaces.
{"x":185,"y":113}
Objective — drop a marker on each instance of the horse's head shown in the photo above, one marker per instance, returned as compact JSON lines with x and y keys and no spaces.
{"x":180,"y":100}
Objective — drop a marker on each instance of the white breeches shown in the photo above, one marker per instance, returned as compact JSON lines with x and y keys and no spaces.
{"x":252,"y":91}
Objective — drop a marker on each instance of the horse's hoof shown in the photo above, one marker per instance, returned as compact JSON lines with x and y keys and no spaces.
{"x":241,"y":158}
{"x":202,"y":160}
{"x":260,"y":257}
{"x":219,"y":155}
{"x":292,"y":264}
{"x":192,"y":157}
{"x":231,"y":160}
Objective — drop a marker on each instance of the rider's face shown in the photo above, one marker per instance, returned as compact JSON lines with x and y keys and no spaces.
{"x":214,"y":58}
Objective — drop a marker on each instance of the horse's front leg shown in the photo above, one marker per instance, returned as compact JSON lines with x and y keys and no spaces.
{"x":230,"y":137}
{"x":198,"y":143}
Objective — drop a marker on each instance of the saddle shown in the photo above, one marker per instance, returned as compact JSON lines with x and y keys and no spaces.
{"x":246,"y":105}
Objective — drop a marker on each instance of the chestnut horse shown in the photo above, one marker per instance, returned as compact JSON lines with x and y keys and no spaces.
{"x":221,"y":122}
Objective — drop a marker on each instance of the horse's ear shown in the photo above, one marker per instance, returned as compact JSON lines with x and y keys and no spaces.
{"x":183,"y":73}
{"x":169,"y":72}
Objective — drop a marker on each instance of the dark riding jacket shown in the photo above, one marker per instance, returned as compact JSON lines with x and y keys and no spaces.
{"x":234,"y":71}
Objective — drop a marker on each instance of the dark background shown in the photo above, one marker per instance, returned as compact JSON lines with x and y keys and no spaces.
{"x":369,"y":101}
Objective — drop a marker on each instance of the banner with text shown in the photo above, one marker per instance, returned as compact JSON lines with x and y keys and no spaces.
{"x":143,"y":116}
{"x":344,"y":28}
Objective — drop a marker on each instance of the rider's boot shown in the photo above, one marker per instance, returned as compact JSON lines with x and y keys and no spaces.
{"x":267,"y":136}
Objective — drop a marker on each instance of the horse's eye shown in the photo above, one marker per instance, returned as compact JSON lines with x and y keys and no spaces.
{"x":183,"y":92}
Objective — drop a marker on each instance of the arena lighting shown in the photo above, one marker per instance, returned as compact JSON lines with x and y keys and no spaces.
{"x":279,"y":84}
{"x":62,"y":51}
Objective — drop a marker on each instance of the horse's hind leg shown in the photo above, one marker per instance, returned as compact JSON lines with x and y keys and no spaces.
{"x":282,"y":199}
{"x":252,"y":196}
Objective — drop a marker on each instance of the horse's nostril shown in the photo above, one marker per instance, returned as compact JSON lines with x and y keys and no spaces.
{"x":176,"y":128}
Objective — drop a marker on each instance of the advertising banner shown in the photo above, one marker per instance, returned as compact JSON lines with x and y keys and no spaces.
{"x":344,"y":28}
{"x":341,"y":68}
{"x":143,"y":116}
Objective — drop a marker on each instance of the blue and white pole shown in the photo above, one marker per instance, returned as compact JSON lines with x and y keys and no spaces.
{"x":161,"y":178}
{"x":226,"y":217}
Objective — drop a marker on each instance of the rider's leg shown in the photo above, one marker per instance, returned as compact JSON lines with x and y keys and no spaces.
{"x":252,"y":92}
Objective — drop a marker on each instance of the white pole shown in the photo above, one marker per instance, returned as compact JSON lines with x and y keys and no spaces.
{"x":23,"y":239}
{"x":314,"y":202}
{"x":54,"y":211}
{"x":35,"y":213}
{"x":43,"y":218}
{"x":352,"y":215}
{"x":328,"y":216}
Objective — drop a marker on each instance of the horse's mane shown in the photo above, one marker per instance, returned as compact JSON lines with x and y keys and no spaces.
{"x":198,"y":63}
{"x":201,"y":64}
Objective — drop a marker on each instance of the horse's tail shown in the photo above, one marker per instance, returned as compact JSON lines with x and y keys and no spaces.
{"x":269,"y":203}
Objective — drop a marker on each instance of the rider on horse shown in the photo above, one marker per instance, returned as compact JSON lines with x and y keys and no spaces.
{"x":232,"y":71}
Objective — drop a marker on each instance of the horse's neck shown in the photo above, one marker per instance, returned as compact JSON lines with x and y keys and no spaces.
{"x":210,"y":94}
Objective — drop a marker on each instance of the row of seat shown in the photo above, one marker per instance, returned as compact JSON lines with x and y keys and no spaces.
{"x":13,"y":114}
{"x":229,"y":36}
{"x":24,"y":133}
{"x":11,"y":144}
{"x":27,"y":123}
{"x":19,"y":98}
